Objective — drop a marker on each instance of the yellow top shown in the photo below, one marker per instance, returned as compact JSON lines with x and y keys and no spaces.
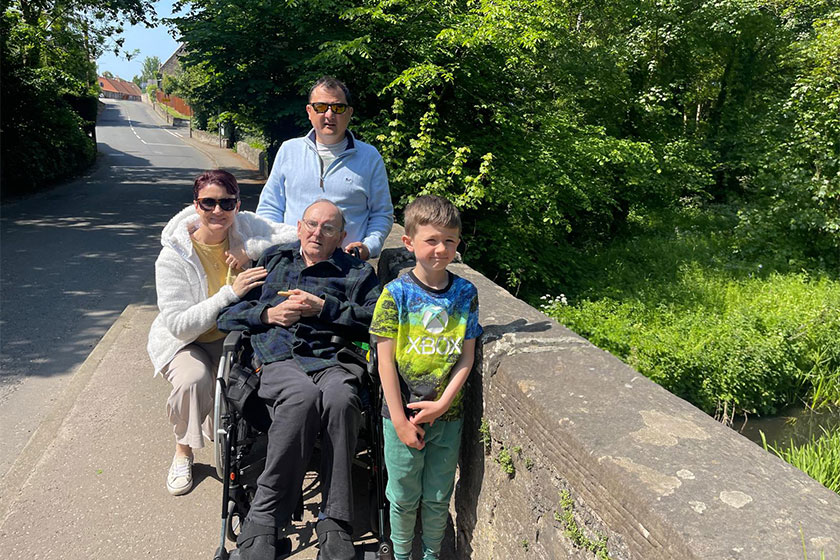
{"x":218,"y":273}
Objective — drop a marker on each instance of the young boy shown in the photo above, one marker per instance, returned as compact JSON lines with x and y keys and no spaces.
{"x":426,"y":324}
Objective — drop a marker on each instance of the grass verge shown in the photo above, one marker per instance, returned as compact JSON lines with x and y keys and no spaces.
{"x":172,"y":112}
{"x":728,"y":326}
{"x":819,"y":458}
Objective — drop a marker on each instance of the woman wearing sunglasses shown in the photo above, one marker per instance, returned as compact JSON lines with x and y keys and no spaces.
{"x":201,"y":269}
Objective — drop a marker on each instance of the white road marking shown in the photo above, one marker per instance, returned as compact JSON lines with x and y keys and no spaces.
{"x":130,"y":124}
{"x":172,"y":133}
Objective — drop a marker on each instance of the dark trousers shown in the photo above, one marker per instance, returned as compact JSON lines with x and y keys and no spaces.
{"x":302,"y":406}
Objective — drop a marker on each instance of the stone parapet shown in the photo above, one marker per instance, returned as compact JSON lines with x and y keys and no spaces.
{"x":255,"y":156}
{"x":210,"y":138}
{"x":550,"y":416}
{"x":162,"y":112}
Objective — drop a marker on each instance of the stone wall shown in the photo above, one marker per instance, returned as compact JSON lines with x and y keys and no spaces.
{"x":652,"y":474}
{"x":254,"y":155}
{"x":162,"y":112}
{"x":211,"y":138}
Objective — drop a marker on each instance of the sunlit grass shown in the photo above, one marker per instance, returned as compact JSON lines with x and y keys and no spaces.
{"x":174,"y":113}
{"x":724,"y":323}
{"x":819,"y":458}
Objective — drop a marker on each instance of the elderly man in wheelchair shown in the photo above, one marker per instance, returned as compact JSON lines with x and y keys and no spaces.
{"x":310,"y":294}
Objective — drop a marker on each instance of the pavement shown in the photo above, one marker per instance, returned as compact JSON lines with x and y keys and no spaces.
{"x":90,"y":483}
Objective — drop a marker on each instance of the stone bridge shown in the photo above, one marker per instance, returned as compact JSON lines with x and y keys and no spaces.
{"x":570,"y":453}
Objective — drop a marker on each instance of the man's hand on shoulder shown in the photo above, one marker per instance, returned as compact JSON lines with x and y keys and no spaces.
{"x":364,"y":252}
{"x":237,"y":258}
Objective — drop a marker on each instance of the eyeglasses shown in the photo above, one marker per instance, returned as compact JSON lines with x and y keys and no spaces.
{"x":209,"y":204}
{"x":337,"y":108}
{"x":328,"y":230}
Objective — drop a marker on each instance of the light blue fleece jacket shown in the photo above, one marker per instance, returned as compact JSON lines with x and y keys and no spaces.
{"x":356,"y":181}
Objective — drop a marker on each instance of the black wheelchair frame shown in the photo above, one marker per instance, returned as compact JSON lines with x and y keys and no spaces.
{"x":240,"y":442}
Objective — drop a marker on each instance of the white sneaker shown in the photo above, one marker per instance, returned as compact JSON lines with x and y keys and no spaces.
{"x":180,"y":480}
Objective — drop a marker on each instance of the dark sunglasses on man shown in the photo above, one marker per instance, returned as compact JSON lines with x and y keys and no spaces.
{"x":209,"y":204}
{"x":337,"y":108}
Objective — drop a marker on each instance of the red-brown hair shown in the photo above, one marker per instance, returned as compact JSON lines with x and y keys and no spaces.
{"x":216,"y":177}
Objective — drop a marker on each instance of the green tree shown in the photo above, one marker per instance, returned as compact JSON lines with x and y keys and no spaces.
{"x":253,"y":60}
{"x":169,"y":84}
{"x":803,"y":172}
{"x":150,"y":69}
{"x":548,"y":123}
{"x":49,"y":92}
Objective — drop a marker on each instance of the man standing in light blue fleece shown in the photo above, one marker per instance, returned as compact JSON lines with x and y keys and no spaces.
{"x":330,"y":163}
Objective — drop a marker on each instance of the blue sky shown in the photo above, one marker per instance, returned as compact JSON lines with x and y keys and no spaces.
{"x":150,"y":42}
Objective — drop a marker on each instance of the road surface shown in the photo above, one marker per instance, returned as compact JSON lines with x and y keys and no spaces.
{"x":75,"y":256}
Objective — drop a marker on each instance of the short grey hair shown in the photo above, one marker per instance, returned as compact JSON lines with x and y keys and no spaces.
{"x":331,"y":203}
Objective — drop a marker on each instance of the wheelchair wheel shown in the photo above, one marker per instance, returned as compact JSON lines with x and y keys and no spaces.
{"x":220,"y":418}
{"x":384,"y":552}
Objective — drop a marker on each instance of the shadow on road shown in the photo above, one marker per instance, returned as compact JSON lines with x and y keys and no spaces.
{"x":73,"y":259}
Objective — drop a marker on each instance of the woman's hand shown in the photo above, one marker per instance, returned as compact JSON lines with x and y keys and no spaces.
{"x":237,"y":258}
{"x":248,"y":280}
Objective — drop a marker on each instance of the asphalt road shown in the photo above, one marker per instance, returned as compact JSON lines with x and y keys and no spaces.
{"x":75,"y":256}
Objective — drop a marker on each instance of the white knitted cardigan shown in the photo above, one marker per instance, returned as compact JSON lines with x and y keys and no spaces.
{"x":185,"y":310}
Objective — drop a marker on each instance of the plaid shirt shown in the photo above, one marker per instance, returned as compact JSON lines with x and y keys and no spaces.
{"x":348,"y":286}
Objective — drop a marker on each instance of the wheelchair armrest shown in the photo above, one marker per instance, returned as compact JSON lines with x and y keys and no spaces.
{"x":373,"y":360}
{"x":233,"y":341}
{"x":358,"y":353}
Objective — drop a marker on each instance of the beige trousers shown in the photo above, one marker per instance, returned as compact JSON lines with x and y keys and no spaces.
{"x":192,"y":373}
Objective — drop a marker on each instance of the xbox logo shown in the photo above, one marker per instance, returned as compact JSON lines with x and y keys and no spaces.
{"x":435,"y":319}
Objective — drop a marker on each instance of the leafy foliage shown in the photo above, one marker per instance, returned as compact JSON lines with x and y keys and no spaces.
{"x":248,"y":57}
{"x":571,"y":529}
{"x":49,"y":92}
{"x":819,"y":458}
{"x":548,"y":123}
{"x":506,"y":462}
{"x":693,"y":305}
{"x":802,"y":174}
{"x":149,"y":70}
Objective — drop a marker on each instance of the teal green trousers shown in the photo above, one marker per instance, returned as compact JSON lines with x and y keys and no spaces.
{"x":421,"y":479}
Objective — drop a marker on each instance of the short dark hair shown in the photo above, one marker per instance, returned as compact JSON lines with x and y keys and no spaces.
{"x":431,"y":209}
{"x":328,"y":82}
{"x":216,"y":177}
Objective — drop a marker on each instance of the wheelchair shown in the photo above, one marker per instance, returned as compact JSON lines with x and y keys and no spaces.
{"x":241,"y":420}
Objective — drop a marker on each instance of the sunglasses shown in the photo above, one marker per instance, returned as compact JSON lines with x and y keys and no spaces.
{"x":337,"y":108}
{"x":328,"y":230}
{"x":209,"y":204}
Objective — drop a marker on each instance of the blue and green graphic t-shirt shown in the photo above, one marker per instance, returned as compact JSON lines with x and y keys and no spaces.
{"x":429,"y":327}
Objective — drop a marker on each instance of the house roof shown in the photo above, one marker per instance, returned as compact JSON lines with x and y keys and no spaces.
{"x":117,"y":85}
{"x":171,"y":65}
